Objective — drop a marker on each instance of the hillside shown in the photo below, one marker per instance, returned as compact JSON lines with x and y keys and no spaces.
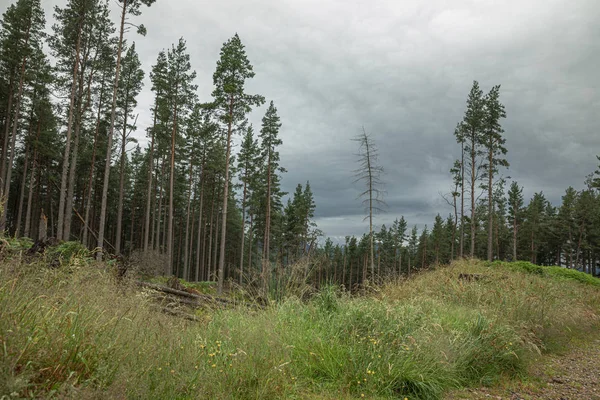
{"x":77,"y":332}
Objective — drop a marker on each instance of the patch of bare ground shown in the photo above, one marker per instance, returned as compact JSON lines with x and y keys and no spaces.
{"x":572,"y":375}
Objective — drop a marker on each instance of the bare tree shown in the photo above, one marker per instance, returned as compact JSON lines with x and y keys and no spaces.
{"x":369,"y":173}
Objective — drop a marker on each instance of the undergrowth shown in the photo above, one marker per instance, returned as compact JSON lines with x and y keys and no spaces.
{"x":75,"y":332}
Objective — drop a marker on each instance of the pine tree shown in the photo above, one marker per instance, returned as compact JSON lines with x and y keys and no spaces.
{"x":566,"y":217}
{"x":127,"y":7}
{"x":470,"y":134}
{"x":232,"y":104}
{"x":269,"y":135}
{"x":247,"y":165}
{"x":181,"y":97}
{"x":129,"y":88}
{"x":399,"y":235}
{"x":21,"y":38}
{"x":158,"y":77}
{"x":515,"y":209}
{"x":494,"y":145}
{"x":413,"y":242}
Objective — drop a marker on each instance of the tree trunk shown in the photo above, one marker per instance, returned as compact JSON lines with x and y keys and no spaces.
{"x":160,"y":205}
{"x":462,"y":200}
{"x":473,"y":177}
{"x":110,"y":136}
{"x":15,"y":125}
{"x":490,"y":239}
{"x":266,"y":244}
{"x":32,"y":183}
{"x":198,"y":242}
{"x":243,"y":225}
{"x":210,"y":235}
{"x":515,"y":228}
{"x":6,"y":137}
{"x":187,"y":224}
{"x":122,"y":179}
{"x":250,"y":242}
{"x":150,"y":181}
{"x":88,"y":203}
{"x":65,"y":165}
{"x":225,"y":198}
{"x":22,"y":194}
{"x":71,"y":179}
{"x":12,"y":148}
{"x":172,"y":186}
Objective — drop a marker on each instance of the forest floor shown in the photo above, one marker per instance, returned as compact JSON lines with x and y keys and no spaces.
{"x":572,"y":375}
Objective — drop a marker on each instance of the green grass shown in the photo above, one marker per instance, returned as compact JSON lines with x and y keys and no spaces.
{"x":75,"y":332}
{"x":554,"y":272}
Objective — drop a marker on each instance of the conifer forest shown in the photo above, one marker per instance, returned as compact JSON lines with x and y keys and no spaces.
{"x":72,"y":169}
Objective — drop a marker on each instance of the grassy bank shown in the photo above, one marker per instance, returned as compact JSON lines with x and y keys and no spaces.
{"x":75,"y":332}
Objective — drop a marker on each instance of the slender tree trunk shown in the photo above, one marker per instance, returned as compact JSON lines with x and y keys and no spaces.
{"x":110,"y":136}
{"x":198,"y":242}
{"x":22,"y":194}
{"x":250,"y":242}
{"x":266,"y":244}
{"x":32,"y":182}
{"x":15,"y":125}
{"x":88,"y":200}
{"x":515,"y":229}
{"x":172,"y":185}
{"x":13,"y":141}
{"x":187,"y":224}
{"x":121,"y":181}
{"x":6,"y":136}
{"x":157,"y":216}
{"x":225,"y":198}
{"x":243,"y":225}
{"x":150,"y":181}
{"x":578,"y":252}
{"x":473,"y":183}
{"x":216,"y":247}
{"x":532,"y":248}
{"x":490,"y":239}
{"x":462,"y":200}
{"x":454,"y":229}
{"x":210,"y":235}
{"x":71,"y":179}
{"x":65,"y":165}
{"x":160,"y":205}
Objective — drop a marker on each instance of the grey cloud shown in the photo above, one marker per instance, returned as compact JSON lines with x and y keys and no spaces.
{"x":402,"y":69}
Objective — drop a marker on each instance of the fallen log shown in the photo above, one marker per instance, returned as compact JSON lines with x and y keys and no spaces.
{"x":200,"y":298}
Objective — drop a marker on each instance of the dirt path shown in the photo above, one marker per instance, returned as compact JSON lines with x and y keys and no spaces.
{"x":574,"y":375}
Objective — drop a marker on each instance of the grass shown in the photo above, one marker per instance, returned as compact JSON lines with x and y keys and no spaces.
{"x":74,"y":332}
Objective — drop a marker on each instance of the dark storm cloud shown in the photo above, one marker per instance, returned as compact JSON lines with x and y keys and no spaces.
{"x":403,"y":70}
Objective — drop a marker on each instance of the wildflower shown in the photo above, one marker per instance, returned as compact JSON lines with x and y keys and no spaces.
{"x":362,"y":395}
{"x":159,"y":368}
{"x":172,"y":371}
{"x":196,"y":367}
{"x":214,"y":365}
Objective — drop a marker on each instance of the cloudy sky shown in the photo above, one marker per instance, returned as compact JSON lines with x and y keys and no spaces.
{"x":403,"y":70}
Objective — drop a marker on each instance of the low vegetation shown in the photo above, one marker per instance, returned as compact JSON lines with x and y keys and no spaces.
{"x":77,"y":331}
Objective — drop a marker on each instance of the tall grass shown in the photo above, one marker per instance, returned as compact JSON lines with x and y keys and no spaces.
{"x":75,"y":332}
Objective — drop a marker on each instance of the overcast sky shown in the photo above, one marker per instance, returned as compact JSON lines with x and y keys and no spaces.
{"x":402,"y":69}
